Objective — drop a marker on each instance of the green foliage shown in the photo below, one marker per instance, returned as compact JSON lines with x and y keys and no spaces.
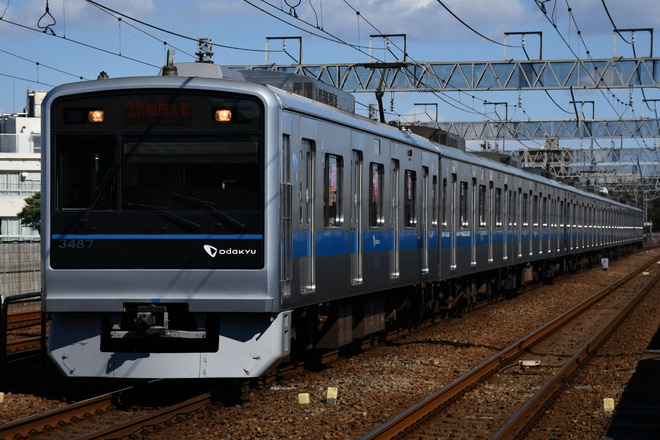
{"x":30,"y":215}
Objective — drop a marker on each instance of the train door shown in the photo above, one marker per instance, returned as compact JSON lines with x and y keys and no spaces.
{"x":506,"y":222}
{"x":456,"y":219}
{"x":425,"y":220}
{"x":559,"y":222}
{"x":356,"y":218}
{"x":475,"y":221}
{"x":493,"y":202}
{"x":286,"y":215}
{"x":394,"y":220}
{"x":307,"y":242}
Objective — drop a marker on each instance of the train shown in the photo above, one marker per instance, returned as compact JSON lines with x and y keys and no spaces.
{"x":207,"y":222}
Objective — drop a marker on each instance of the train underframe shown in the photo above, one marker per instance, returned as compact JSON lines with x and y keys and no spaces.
{"x":343,"y":323}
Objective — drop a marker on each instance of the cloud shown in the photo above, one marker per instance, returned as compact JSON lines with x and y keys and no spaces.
{"x":62,"y":16}
{"x":421,"y":20}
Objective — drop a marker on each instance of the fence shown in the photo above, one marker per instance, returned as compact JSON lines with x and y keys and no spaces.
{"x":20,"y":263}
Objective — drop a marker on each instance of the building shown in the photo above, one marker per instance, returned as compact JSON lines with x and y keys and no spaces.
{"x":20,"y":167}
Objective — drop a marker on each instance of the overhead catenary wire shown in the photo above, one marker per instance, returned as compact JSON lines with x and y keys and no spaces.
{"x":37,"y":63}
{"x":89,"y":46}
{"x":176,"y":34}
{"x":470,"y":27}
{"x":445,"y":100}
{"x":578,"y":58}
{"x":325,"y":35}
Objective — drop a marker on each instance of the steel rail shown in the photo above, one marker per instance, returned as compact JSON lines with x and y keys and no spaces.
{"x":160,"y":416}
{"x":519,"y":422}
{"x":434,"y":403}
{"x":23,"y":319}
{"x":39,"y":422}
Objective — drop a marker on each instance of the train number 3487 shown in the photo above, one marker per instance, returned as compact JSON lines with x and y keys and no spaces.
{"x":76,"y":244}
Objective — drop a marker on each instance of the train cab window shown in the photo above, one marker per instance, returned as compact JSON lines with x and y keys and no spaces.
{"x":463,"y":205}
{"x":86,"y":169}
{"x":498,"y":207}
{"x":482,"y":206}
{"x":334,"y":169}
{"x":409,"y":213}
{"x":377,"y":174}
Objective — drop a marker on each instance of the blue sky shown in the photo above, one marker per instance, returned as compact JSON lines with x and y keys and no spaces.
{"x":77,"y":39}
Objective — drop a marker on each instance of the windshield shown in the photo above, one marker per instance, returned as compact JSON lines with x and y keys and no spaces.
{"x":166,"y":179}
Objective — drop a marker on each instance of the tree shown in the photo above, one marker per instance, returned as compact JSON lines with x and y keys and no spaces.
{"x":30,"y":215}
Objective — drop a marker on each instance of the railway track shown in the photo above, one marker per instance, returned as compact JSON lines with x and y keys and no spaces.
{"x":506,"y":394}
{"x":110,"y":415}
{"x":24,"y":332}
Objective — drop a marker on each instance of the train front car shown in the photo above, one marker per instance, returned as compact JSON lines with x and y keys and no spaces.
{"x":156,"y":205}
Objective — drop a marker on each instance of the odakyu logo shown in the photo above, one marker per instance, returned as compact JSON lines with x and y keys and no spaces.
{"x":212,"y":251}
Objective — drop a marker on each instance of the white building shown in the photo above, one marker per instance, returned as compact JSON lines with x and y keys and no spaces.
{"x":20,"y":167}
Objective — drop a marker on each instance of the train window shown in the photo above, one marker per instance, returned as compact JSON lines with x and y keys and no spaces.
{"x":525,"y":209}
{"x":482,"y":205}
{"x":307,"y":182}
{"x":177,"y":173}
{"x":535,"y":211}
{"x":334,"y":169}
{"x":376,"y":216}
{"x":443,"y":208}
{"x":514,"y":208}
{"x":463,"y":205}
{"x":434,"y":196}
{"x":544,"y":211}
{"x":86,"y":173}
{"x":410,"y":183}
{"x":410,"y":190}
{"x":498,"y":207}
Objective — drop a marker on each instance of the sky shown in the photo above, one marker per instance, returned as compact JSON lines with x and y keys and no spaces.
{"x":46,"y":43}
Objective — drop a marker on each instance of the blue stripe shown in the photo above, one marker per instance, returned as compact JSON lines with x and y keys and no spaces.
{"x":408,"y":240}
{"x":433,"y":239}
{"x":156,"y":237}
{"x":498,"y":237}
{"x":332,"y":243}
{"x":463,"y":239}
{"x":483,"y":237}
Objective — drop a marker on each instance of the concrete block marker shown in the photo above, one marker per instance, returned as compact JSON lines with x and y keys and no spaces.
{"x":331,"y":396}
{"x":608,"y":404}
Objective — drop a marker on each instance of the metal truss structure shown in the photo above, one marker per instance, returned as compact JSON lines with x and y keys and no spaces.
{"x":479,"y":76}
{"x":627,"y":171}
{"x":559,"y":129}
{"x":622,"y":171}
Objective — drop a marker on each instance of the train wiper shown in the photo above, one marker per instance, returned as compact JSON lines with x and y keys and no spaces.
{"x":104,"y":185}
{"x":167,"y":214}
{"x":230,"y":222}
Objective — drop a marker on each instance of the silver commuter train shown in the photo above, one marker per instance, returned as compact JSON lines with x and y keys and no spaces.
{"x":201,"y":225}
